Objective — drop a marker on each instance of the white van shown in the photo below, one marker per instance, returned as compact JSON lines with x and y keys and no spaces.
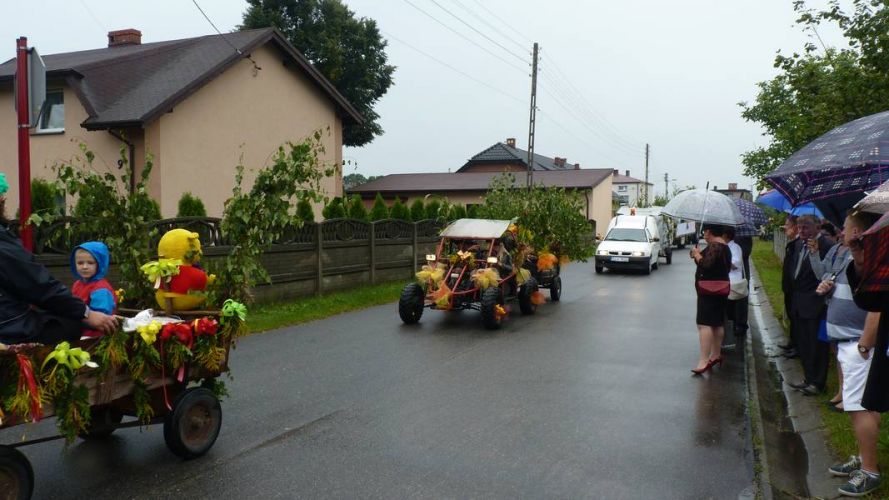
{"x":631,"y":242}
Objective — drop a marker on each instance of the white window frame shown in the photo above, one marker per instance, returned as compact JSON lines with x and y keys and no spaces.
{"x":39,"y":129}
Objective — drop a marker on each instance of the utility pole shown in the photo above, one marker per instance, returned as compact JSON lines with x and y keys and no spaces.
{"x":645,"y":186}
{"x":666,"y":186}
{"x":532,"y":119}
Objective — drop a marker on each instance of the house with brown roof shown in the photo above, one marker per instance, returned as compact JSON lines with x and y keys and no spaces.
{"x":198,"y":106}
{"x":629,"y":190}
{"x":469,"y":184}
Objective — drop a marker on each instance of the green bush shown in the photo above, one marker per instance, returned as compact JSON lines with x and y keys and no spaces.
{"x":334,"y":209}
{"x":472,"y":211}
{"x":457,"y":212}
{"x":400,"y":211}
{"x":418,"y":210}
{"x":304,"y":211}
{"x":190,"y":206}
{"x":433,"y":209}
{"x":356,"y":208}
{"x":379,"y":211}
{"x":44,"y":198}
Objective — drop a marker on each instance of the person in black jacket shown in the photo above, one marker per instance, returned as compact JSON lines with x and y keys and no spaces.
{"x":34,"y":306}
{"x":791,"y":249}
{"x":807,"y":308}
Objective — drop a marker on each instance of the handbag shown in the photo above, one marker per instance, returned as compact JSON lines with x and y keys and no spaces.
{"x":719,"y":288}
{"x":739,"y":290}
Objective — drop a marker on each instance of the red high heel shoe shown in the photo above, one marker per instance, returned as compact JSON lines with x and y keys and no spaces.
{"x":716,"y":361}
{"x":701,"y":371}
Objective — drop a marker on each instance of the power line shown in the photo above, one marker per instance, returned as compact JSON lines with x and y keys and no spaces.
{"x":445,"y":64}
{"x":470,"y":40}
{"x":237,"y":50}
{"x":580,"y":139}
{"x":495,"y":16}
{"x":473,"y":28}
{"x":488,"y":24}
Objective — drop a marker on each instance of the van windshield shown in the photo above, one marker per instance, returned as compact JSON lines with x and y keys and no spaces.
{"x":626,"y":234}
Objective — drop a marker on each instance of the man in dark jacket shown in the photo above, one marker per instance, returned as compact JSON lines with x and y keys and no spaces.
{"x":791,"y":249}
{"x":34,"y":306}
{"x":807,"y":308}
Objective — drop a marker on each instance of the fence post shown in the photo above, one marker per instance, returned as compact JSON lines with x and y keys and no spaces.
{"x":415,"y":249}
{"x":373,"y":253}
{"x":319,"y":259}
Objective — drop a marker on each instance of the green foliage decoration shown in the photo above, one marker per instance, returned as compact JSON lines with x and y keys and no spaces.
{"x":356,"y":208}
{"x":190,"y":206}
{"x":552,"y":215}
{"x":379,"y":211}
{"x":253,"y":220}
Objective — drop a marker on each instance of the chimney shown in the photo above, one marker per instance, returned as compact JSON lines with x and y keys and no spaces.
{"x":616,"y":172}
{"x":577,"y":166}
{"x":510,"y":141}
{"x":628,"y":173}
{"x":733,"y":186}
{"x":556,"y":161}
{"x":128,"y":36}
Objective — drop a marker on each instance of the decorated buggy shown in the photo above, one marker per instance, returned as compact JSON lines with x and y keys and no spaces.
{"x":481,"y":264}
{"x":159,"y":368}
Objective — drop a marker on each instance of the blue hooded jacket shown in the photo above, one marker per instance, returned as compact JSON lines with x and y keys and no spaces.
{"x":99,"y":299}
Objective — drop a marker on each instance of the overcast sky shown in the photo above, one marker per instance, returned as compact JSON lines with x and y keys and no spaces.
{"x":614,"y":75}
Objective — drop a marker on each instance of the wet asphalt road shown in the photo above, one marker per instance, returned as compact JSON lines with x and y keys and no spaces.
{"x":590,"y":398}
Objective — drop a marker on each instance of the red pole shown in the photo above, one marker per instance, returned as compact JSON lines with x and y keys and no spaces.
{"x":21,"y":82}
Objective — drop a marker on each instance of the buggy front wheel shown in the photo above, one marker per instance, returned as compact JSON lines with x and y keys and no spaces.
{"x":410,"y":304}
{"x":491,"y":298}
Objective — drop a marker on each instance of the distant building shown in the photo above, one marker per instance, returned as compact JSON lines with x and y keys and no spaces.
{"x":629,"y":190}
{"x":735,"y":193}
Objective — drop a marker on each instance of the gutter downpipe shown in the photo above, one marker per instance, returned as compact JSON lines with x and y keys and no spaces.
{"x":132,"y":151}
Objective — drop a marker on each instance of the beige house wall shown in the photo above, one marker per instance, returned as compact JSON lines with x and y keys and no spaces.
{"x":50,"y":149}
{"x":196,"y":145}
{"x":600,"y":204}
{"x":243,"y":114}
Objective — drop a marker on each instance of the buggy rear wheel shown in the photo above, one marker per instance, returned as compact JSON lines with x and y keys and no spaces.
{"x":16,"y":475}
{"x":491,"y":298}
{"x":410,"y":304}
{"x":526,"y":304}
{"x":193,"y":426}
{"x":555,"y":289}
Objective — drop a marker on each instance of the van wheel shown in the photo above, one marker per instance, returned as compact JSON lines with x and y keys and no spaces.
{"x":669,"y":257}
{"x":647,"y":269}
{"x":599,"y":269}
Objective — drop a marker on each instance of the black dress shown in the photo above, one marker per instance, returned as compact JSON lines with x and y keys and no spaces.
{"x":715,"y":264}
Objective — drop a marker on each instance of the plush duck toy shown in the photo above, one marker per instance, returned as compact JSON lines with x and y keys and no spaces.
{"x":184,"y":246}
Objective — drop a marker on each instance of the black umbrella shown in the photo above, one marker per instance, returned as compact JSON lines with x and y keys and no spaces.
{"x":837,"y":168}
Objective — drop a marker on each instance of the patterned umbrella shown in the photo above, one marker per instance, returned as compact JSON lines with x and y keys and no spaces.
{"x":751,"y":212}
{"x":845,"y":162}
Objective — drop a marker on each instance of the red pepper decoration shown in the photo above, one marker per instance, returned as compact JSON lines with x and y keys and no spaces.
{"x":26,"y":376}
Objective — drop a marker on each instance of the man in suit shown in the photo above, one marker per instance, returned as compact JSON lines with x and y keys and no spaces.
{"x":790,"y":253}
{"x":807,"y":308}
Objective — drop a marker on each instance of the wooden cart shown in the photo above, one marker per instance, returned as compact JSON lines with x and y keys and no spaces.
{"x":191,"y":426}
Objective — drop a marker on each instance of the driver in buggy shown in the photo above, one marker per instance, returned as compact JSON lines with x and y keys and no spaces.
{"x":504,"y":261}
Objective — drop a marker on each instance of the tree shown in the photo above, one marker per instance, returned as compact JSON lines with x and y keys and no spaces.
{"x":45,"y":197}
{"x":379,"y":210}
{"x":190,"y":206}
{"x":334,"y":209}
{"x":418,"y":210}
{"x":820,"y":89}
{"x":356,"y":208}
{"x":457,"y":211}
{"x":349,"y":51}
{"x":304,"y":211}
{"x":472,"y":211}
{"x":433,"y":210}
{"x":661,"y":200}
{"x":399,"y":211}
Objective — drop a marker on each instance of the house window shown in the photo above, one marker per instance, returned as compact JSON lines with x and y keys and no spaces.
{"x":52,"y":119}
{"x":621,"y":188}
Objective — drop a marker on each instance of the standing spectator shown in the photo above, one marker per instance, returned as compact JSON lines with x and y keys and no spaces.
{"x":712,"y":285}
{"x":873,"y":344}
{"x":807,"y":308}
{"x":746,"y":244}
{"x":738,"y":297}
{"x":791,"y":230}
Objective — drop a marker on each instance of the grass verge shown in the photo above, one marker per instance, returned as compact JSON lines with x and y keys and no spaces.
{"x":276,"y":315}
{"x":837,"y":425}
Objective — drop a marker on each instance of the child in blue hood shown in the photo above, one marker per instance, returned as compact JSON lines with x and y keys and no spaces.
{"x":89,"y":263}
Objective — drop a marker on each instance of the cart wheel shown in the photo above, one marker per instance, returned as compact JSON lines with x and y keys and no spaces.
{"x":16,"y":475}
{"x":103,"y":421}
{"x":526,"y":305}
{"x":193,"y":426}
{"x":490,"y":298}
{"x":555,"y":290}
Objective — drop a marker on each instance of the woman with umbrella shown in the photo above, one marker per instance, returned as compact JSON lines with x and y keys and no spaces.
{"x":715,"y":211}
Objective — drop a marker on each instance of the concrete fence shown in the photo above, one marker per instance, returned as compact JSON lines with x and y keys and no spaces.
{"x":779,"y":241}
{"x":317,"y":257}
